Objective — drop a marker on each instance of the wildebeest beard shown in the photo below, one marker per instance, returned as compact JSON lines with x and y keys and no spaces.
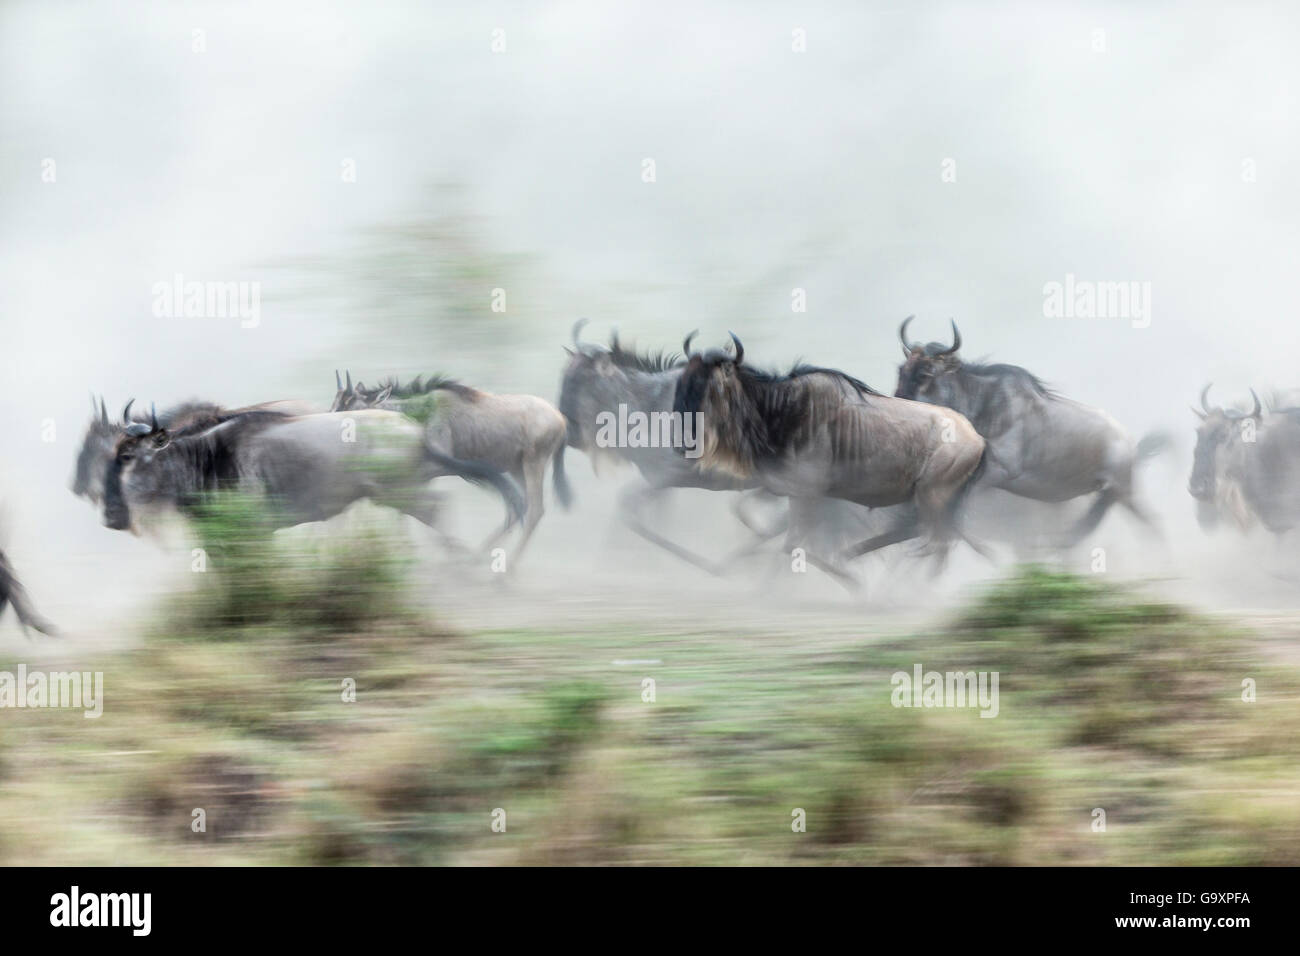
{"x":750,"y":418}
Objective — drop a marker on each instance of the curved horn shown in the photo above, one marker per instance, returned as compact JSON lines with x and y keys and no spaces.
{"x":1258,"y":410}
{"x":126,"y":412}
{"x":153,"y":415}
{"x":902,"y":334}
{"x":686,"y":343}
{"x":956,"y":339}
{"x":338,"y":380}
{"x":349,"y":380}
{"x":740,"y":349}
{"x":103,"y":411}
{"x":577,"y":330}
{"x":1205,"y":393}
{"x":613,"y":339}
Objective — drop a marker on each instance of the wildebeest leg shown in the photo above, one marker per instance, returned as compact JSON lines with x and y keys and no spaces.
{"x":739,"y":510}
{"x":630,"y":503}
{"x":12,"y":592}
{"x":806,"y":516}
{"x":425,"y":507}
{"x":906,"y":528}
{"x":534,"y":477}
{"x":1088,"y":523}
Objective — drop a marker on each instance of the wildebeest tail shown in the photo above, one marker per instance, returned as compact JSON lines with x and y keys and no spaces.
{"x":563,"y":493}
{"x":481,"y":473}
{"x":1150,"y":445}
{"x":12,"y":592}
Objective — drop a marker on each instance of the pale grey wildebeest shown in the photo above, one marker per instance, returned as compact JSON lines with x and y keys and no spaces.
{"x":817,"y":432}
{"x":1246,"y":466}
{"x":308,"y":467}
{"x":1041,"y":445}
{"x":13,"y":593}
{"x":517,"y":434}
{"x":99,"y":444}
{"x":603,"y":384}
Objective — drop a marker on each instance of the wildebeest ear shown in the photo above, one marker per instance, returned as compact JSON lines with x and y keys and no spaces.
{"x":161,"y":438}
{"x":382,"y":396}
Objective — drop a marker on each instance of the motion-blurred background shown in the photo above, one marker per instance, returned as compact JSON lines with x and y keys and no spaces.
{"x":380,"y":170}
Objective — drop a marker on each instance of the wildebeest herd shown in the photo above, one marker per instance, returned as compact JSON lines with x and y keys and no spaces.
{"x":854,"y":470}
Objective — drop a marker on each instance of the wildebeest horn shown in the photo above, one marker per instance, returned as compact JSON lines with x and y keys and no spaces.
{"x":1258,"y":411}
{"x":956,"y":339}
{"x":686,"y":343}
{"x":349,"y":380}
{"x":126,"y":412}
{"x":740,"y":349}
{"x":1205,"y":393}
{"x":577,"y":330}
{"x":902,"y":334}
{"x":153,"y":415}
{"x":103,"y":410}
{"x":338,"y":380}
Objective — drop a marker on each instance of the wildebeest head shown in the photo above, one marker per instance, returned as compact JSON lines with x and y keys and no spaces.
{"x":351,"y":397}
{"x":96,"y":449}
{"x":1219,"y":434}
{"x":598,"y":379}
{"x":345,"y":395}
{"x":924,"y":374}
{"x":136,"y":441}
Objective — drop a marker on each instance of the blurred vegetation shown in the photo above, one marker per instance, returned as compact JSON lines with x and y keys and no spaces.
{"x":1107,"y":700}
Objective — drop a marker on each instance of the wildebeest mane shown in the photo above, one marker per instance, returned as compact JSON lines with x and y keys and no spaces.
{"x":651,"y":362}
{"x":761,"y":415}
{"x":418,"y":387}
{"x":1003,"y":371}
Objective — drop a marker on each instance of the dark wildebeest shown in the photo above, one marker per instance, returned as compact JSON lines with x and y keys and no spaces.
{"x":1040,"y":445}
{"x":308,"y":467}
{"x":1247,"y":466}
{"x":818,"y":432}
{"x":517,"y":434}
{"x":608,"y":382}
{"x":12,"y":592}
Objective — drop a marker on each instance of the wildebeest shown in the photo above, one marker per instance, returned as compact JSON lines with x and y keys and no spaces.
{"x":308,"y":467}
{"x":600,"y":382}
{"x":1041,"y":445}
{"x":12,"y":592}
{"x":517,"y":434}
{"x":99,"y":444}
{"x":1247,"y":466}
{"x":818,"y":432}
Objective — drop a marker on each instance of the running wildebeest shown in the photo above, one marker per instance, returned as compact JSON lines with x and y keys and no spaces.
{"x":517,"y":434}
{"x":599,"y":382}
{"x":99,"y":444}
{"x":1040,"y":444}
{"x":308,"y":467}
{"x":818,"y":432}
{"x":12,"y":592}
{"x":1247,"y":466}
{"x":615,"y":381}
